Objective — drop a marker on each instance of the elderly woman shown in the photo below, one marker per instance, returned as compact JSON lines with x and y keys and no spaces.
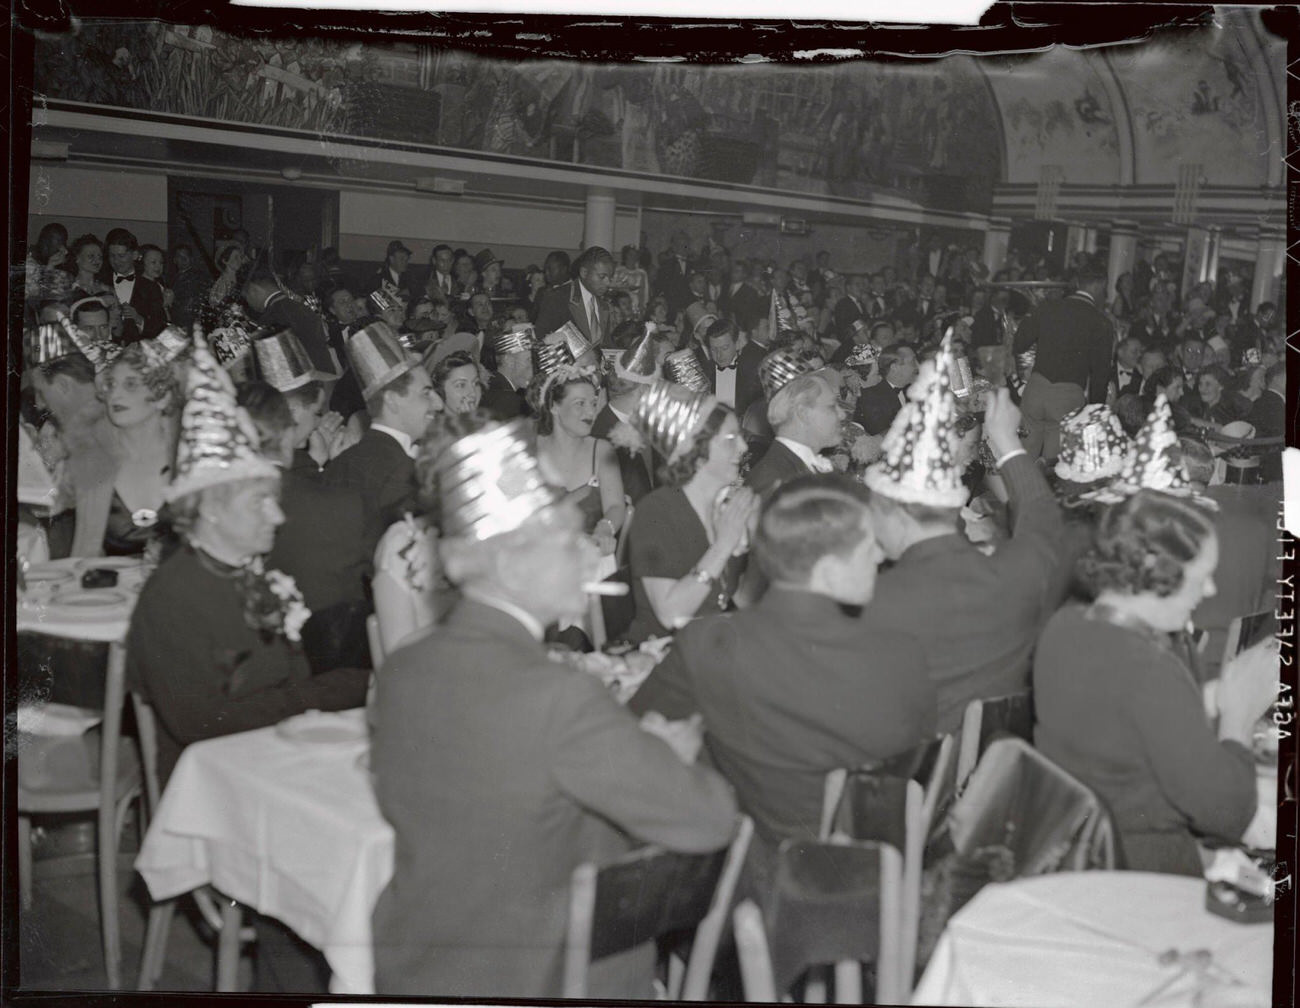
{"x":565,"y":402}
{"x":686,"y":536}
{"x":1118,"y":707}
{"x":1214,"y":404}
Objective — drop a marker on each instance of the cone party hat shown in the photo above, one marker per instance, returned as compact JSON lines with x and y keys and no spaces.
{"x":1093,"y":445}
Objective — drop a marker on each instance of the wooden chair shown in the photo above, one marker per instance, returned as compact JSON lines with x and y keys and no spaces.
{"x":1011,"y":714}
{"x":223,"y":915}
{"x":1246,"y":630}
{"x":77,"y":788}
{"x":829,"y":903}
{"x":648,"y":894}
{"x":870,"y":803}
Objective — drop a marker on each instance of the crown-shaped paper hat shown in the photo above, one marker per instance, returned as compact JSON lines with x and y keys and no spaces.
{"x":683,"y":367}
{"x":233,"y":336}
{"x":571,"y":336}
{"x":282,"y":361}
{"x":378,"y":357}
{"x":99,"y":351}
{"x":218,"y":442}
{"x":170,"y":344}
{"x":489,"y":482}
{"x":1154,"y":463}
{"x":518,"y":337}
{"x":382,"y":301}
{"x":779,"y":368}
{"x":920,"y":461}
{"x":637,"y":362}
{"x":1093,"y":445}
{"x":551,"y":354}
{"x":862,"y":356}
{"x":47,"y":343}
{"x":668,"y":417}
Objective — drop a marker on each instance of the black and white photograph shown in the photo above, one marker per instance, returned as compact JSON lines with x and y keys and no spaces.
{"x":412,"y":601}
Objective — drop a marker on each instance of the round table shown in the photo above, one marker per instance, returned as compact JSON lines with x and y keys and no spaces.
{"x":1092,"y":938}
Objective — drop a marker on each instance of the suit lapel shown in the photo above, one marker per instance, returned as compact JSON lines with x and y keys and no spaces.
{"x":578,"y":311}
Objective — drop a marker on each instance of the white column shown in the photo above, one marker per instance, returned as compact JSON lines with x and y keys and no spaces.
{"x":1270,"y":262}
{"x":1199,"y":254}
{"x":997,"y":239}
{"x":598,"y":227}
{"x":1123,"y":252}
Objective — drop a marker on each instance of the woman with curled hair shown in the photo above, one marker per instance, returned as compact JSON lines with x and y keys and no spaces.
{"x":457,"y":380}
{"x":1214,"y":404}
{"x":1118,"y":707}
{"x":686,"y":536}
{"x":566,"y":403}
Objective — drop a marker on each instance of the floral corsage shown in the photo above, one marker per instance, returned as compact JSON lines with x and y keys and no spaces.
{"x":273,"y":605}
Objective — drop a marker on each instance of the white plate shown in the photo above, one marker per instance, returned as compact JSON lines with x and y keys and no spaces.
{"x":321,"y":729}
{"x":97,"y":598}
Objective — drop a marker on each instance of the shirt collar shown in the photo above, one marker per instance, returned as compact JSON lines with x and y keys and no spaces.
{"x":529,"y":622}
{"x":802,"y":452}
{"x":401,"y":437}
{"x":623,"y":417}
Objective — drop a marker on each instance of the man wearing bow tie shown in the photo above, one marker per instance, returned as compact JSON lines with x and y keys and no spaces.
{"x":1128,"y":375}
{"x":807,"y":416}
{"x":732,"y":369}
{"x":879,"y":404}
{"x":144,"y":315}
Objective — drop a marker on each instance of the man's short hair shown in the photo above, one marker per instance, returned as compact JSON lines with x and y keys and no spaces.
{"x":123,"y":237}
{"x":891,"y":355}
{"x":721,"y":327}
{"x":89,"y":304}
{"x":809,"y":518}
{"x":74,"y":365}
{"x":591,"y":258}
{"x":800,"y":391}
{"x":1198,"y":461}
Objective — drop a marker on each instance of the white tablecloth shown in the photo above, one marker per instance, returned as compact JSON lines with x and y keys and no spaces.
{"x":1088,"y":938}
{"x":40,"y":611}
{"x":290,"y":829}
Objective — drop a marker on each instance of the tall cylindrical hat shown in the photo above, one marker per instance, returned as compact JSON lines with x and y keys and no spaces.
{"x":378,"y":357}
{"x":282,"y":361}
{"x":47,"y":343}
{"x":669,"y":416}
{"x":683,"y":367}
{"x":489,"y":483}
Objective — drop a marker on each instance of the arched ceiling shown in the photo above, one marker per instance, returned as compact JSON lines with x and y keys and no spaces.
{"x":1133,"y":114}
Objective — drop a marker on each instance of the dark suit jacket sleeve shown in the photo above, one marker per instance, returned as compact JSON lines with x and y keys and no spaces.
{"x":147,"y":299}
{"x":667,"y":689}
{"x":877,"y":408}
{"x":1099,"y":363}
{"x":748,"y":386}
{"x":1026,"y":333}
{"x":552,"y":309}
{"x":1030,"y":560}
{"x":605,"y":762}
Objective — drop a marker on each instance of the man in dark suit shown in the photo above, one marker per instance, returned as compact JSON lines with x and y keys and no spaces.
{"x":794,"y":687}
{"x":741,"y":300}
{"x":879,"y":404}
{"x":506,"y":394}
{"x":976,"y":616}
{"x":580,"y":300}
{"x":674,"y":275}
{"x":144,"y":314}
{"x":501,"y":770}
{"x":1127,"y":374}
{"x":401,"y":402}
{"x":1268,"y":417}
{"x":393,"y":276}
{"x":732,"y":369}
{"x":849,"y":310}
{"x":806,"y":415}
{"x":275,"y":309}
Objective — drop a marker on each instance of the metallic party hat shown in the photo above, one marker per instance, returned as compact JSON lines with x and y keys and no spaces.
{"x":46,"y":343}
{"x":550,"y":354}
{"x":517,"y":338}
{"x":489,"y":483}
{"x":1093,"y":445}
{"x":920,"y":461}
{"x":863,"y":356}
{"x":378,"y":357}
{"x":669,"y":416}
{"x":381,"y":301}
{"x":684,"y":368}
{"x":576,"y":343}
{"x":232,"y":337}
{"x":282,"y":361}
{"x":637,"y":362}
{"x":218,"y":442}
{"x":100,"y":352}
{"x":779,"y":368}
{"x":170,"y":344}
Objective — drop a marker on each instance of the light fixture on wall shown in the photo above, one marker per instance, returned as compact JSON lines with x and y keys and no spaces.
{"x":291,"y":173}
{"x":443,"y":186}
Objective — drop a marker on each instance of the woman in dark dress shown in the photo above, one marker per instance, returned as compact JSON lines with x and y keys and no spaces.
{"x":686,"y":537}
{"x":1117,"y":705}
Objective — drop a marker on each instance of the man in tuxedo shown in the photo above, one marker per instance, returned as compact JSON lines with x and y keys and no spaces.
{"x":673,"y":278}
{"x":381,"y":466}
{"x":505,"y":396}
{"x":849,"y":310}
{"x":1149,"y":363}
{"x":740,"y":299}
{"x":144,"y":314}
{"x":806,"y":415}
{"x":275,"y":309}
{"x":393,"y":275}
{"x":441,"y":284}
{"x":1268,"y":417}
{"x":1128,"y":370}
{"x":875,"y":304}
{"x":580,"y":300}
{"x":794,"y":687}
{"x":732,"y":369}
{"x":880,"y":403}
{"x":634,"y":372}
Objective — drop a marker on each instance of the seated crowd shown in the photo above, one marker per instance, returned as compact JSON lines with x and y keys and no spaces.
{"x":853,"y":504}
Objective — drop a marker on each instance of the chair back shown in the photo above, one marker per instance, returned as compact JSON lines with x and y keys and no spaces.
{"x":147,"y":730}
{"x":1012,"y":714}
{"x":647,"y":894}
{"x":1246,"y":630}
{"x":824,"y":907}
{"x":375,"y":640}
{"x":1025,"y":815}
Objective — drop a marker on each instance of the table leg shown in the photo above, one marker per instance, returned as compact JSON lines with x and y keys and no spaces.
{"x":228,"y":946}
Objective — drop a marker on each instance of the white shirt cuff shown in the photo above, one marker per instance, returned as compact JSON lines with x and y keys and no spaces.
{"x":1002,"y":460}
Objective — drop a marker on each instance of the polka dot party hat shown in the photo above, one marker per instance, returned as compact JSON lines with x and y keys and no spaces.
{"x":1155,"y":463}
{"x":919,"y":461}
{"x":1093,"y":445}
{"x":218,"y":442}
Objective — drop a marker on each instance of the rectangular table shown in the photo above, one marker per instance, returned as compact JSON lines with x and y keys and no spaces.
{"x":288,"y":828}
